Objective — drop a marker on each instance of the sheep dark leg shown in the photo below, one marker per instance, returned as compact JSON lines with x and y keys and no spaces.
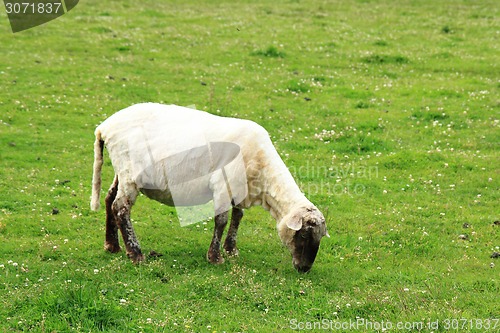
{"x":230,"y":242}
{"x":111,"y":244}
{"x":213,"y":254}
{"x":122,"y":208}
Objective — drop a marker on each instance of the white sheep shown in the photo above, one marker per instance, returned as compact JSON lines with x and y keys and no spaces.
{"x":184,"y":157}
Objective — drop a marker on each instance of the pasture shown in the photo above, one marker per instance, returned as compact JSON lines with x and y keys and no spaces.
{"x":386,"y":113}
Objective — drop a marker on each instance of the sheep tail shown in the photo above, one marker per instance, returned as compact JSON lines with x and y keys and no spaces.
{"x":96,"y":177}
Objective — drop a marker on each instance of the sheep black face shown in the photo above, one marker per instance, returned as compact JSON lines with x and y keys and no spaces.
{"x":301,"y":231}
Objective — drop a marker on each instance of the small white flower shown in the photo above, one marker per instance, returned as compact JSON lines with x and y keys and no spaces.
{"x":96,"y":271}
{"x":123,"y":301}
{"x":406,"y":289}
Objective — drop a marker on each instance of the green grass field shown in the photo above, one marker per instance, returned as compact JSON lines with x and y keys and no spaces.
{"x":387,"y":114}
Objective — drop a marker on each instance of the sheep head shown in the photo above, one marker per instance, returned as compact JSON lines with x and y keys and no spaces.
{"x":301,"y":232}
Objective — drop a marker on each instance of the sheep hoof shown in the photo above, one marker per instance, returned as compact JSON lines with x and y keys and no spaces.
{"x":113,"y":248}
{"x":232,"y":252}
{"x":215,"y":258}
{"x":136,"y":257}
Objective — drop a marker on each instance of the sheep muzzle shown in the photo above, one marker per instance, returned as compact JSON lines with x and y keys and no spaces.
{"x":305,"y":249}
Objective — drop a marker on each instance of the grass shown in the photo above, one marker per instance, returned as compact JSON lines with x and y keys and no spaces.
{"x":271,"y":51}
{"x":387,"y":115}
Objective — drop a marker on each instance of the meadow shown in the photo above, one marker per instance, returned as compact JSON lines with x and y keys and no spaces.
{"x":387,"y":114}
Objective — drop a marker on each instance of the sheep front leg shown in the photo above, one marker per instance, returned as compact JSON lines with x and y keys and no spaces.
{"x":121,"y":208}
{"x":111,"y":244}
{"x":213,"y":254}
{"x":230,"y":242}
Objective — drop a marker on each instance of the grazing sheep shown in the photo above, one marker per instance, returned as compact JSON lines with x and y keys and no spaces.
{"x":184,"y":157}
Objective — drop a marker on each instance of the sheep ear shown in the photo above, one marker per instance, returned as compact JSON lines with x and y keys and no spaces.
{"x":294,"y":222}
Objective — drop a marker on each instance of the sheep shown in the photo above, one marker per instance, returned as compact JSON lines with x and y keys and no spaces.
{"x":159,"y":150}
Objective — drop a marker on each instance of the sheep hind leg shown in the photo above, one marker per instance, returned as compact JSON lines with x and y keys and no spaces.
{"x":230,"y":242}
{"x":111,"y":244}
{"x":213,"y":255}
{"x":121,"y":207}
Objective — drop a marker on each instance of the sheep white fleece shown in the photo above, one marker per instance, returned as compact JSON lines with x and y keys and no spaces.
{"x":141,"y":138}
